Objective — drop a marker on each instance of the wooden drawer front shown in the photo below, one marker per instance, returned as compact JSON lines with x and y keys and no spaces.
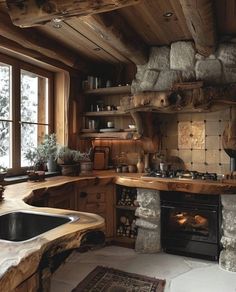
{"x":96,"y":197}
{"x":97,"y":208}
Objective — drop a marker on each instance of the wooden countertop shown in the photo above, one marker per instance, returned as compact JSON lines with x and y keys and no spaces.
{"x":19,"y":260}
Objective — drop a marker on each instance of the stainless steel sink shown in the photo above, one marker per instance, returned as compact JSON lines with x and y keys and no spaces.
{"x":24,"y":225}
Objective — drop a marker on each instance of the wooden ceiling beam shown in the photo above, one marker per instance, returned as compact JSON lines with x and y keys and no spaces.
{"x":114,"y":30}
{"x":41,"y":45}
{"x":31,"y":13}
{"x":200,"y":19}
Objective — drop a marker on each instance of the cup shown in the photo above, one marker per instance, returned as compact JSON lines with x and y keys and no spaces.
{"x":110,"y":124}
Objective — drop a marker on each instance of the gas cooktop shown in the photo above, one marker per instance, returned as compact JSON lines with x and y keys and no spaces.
{"x":181,"y":174}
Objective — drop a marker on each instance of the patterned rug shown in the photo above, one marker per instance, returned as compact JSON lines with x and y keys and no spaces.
{"x":103,"y":279}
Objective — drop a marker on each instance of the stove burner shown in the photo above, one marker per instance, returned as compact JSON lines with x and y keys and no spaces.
{"x":182,"y":174}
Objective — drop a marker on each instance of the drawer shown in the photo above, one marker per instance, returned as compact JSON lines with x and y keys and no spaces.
{"x":97,"y":208}
{"x":96,"y":197}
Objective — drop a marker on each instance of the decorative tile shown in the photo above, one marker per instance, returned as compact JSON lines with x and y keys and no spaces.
{"x":184,"y":135}
{"x":198,"y":135}
{"x":198,"y":156}
{"x":213,"y":156}
{"x":213,"y":128}
{"x":185,"y":155}
{"x":213,"y":143}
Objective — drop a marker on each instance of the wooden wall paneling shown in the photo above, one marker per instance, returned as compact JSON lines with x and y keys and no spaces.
{"x":96,"y":42}
{"x":36,"y":13}
{"x":70,"y":36}
{"x":226,"y":13}
{"x":113,"y":28}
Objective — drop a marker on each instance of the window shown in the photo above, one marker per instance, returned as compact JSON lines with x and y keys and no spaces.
{"x":25,"y":110}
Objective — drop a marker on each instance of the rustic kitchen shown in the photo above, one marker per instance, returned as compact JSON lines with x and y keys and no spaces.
{"x":118,"y":145}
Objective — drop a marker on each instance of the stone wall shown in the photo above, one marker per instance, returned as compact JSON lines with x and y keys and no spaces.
{"x":180,"y":63}
{"x":228,"y":254}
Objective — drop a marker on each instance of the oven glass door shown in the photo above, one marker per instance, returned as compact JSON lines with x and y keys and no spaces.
{"x":189,"y":223}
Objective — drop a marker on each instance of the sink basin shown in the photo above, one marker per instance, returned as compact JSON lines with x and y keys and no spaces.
{"x":24,"y":225}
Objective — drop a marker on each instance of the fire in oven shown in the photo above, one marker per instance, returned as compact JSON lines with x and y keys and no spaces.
{"x":190,"y":224}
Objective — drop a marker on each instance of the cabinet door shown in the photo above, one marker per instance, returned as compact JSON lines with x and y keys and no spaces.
{"x":62,"y":197}
{"x":98,"y":200}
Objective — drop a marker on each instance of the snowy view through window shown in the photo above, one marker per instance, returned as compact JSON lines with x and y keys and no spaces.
{"x":5,"y":114}
{"x":31,"y":118}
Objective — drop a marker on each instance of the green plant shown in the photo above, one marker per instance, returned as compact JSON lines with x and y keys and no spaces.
{"x":65,"y":155}
{"x":34,"y":157}
{"x":48,"y":148}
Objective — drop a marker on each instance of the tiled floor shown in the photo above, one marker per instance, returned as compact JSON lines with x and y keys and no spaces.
{"x":182,"y":274}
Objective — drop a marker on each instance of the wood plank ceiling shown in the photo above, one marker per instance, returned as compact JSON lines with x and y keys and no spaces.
{"x":147,"y":22}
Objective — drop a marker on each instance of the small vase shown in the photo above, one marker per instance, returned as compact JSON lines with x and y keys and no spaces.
{"x":52,"y":164}
{"x":140,"y":165}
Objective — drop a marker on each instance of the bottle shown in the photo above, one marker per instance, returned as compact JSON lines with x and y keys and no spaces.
{"x":140,"y":165}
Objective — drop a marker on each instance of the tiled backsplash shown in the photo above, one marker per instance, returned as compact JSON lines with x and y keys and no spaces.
{"x":193,"y":141}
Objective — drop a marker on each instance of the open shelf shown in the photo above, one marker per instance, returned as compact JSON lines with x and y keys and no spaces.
{"x":109,"y":90}
{"x":109,"y":135}
{"x":105,"y":113}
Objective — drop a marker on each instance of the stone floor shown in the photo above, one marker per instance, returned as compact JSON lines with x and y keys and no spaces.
{"x":182,"y":274}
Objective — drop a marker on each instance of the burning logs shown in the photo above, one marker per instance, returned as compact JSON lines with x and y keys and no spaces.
{"x":148,"y":238}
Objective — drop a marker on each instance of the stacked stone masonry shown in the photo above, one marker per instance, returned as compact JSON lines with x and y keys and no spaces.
{"x":148,"y":222}
{"x":181,"y":63}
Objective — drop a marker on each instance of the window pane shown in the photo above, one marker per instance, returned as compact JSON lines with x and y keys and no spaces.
{"x":5,"y":145}
{"x":31,"y":136}
{"x":34,"y":98}
{"x":5,"y":91}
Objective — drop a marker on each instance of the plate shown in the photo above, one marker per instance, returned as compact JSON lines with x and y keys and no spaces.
{"x":109,"y":130}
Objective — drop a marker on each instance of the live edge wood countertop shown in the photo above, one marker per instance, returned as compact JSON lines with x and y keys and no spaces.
{"x":19,"y":260}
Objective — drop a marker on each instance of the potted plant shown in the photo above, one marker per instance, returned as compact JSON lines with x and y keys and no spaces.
{"x":36,"y":161}
{"x":48,"y":150}
{"x":71,"y":161}
{"x":3,"y":173}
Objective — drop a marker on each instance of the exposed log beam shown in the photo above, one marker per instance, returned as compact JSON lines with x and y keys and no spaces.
{"x":199,"y":15}
{"x":38,"y":46}
{"x":37,"y":12}
{"x":112,"y":28}
{"x":204,"y":99}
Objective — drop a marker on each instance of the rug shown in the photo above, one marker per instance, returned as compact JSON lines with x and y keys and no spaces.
{"x":103,"y":279}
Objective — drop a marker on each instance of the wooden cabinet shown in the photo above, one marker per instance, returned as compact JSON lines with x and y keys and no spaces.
{"x":62,"y":197}
{"x":99,"y":200}
{"x":103,"y":105}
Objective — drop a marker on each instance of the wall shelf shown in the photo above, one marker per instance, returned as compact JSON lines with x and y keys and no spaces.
{"x":109,"y":135}
{"x":105,"y":113}
{"x":109,"y":90}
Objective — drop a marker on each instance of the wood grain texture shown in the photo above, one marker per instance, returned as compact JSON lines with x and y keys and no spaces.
{"x":200,"y":16}
{"x":114,"y":29}
{"x":34,"y":12}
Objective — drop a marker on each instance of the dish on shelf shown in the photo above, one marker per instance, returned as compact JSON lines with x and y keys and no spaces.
{"x":109,"y":130}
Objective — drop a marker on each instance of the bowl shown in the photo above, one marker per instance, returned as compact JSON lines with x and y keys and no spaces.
{"x":133,"y":127}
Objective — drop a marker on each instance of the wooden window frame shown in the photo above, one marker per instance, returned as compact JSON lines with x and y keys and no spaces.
{"x":17,"y":66}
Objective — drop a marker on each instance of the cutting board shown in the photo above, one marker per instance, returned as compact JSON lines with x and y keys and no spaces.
{"x":106,"y":151}
{"x":99,"y":160}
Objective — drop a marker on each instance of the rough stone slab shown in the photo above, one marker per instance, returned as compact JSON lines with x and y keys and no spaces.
{"x":149,"y":80}
{"x":199,"y":57}
{"x":227,"y":54}
{"x":228,"y":242}
{"x":229,"y":201}
{"x":229,"y":222}
{"x":166,"y":79}
{"x":182,"y":56}
{"x":140,"y":71}
{"x":159,"y":58}
{"x":209,"y":70}
{"x":148,"y":225}
{"x":148,"y":241}
{"x":149,"y":199}
{"x":148,"y":214}
{"x":227,"y":260}
{"x":229,"y":74}
{"x":135,"y":87}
